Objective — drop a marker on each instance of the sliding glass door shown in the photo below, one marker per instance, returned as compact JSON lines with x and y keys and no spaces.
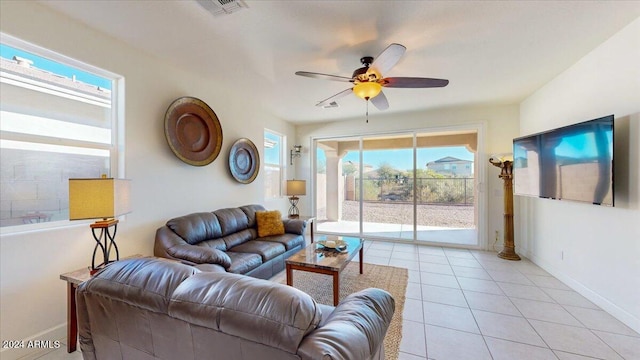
{"x":445,"y":187}
{"x":414,"y":186}
{"x":387,"y":197}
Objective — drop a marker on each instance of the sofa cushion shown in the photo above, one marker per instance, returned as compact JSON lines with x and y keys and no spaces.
{"x":266,"y":249}
{"x":269,"y":223}
{"x":238,"y":238}
{"x":196,"y":227}
{"x":143,"y":282}
{"x":250,"y":211}
{"x":289,"y":241}
{"x":257,"y":310}
{"x":242,"y":263}
{"x":231,"y":220}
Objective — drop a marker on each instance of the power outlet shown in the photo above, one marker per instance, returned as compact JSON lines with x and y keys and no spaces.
{"x":496,"y":240}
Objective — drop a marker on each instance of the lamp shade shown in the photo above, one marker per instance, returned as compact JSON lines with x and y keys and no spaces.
{"x":367,"y":90}
{"x":99,"y":198}
{"x":296,"y":187}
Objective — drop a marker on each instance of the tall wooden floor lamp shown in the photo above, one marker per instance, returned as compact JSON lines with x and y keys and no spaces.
{"x":506,"y":174}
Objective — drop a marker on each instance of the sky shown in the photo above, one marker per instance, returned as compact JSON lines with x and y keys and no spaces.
{"x":8,"y":52}
{"x":272,"y":155}
{"x":402,"y":159}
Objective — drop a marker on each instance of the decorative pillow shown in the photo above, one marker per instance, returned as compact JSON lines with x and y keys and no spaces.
{"x":269,"y":223}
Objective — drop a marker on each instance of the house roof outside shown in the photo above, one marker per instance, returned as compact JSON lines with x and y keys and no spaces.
{"x":22,"y":70}
{"x":448,"y":159}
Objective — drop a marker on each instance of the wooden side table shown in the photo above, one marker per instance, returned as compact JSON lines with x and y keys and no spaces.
{"x":74,"y":279}
{"x":310,"y":220}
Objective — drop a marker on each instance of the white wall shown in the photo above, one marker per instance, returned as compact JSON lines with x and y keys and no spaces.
{"x":33,"y":298}
{"x":601,"y":245}
{"x":499,"y":124}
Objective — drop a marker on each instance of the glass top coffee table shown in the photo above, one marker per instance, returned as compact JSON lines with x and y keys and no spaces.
{"x":329,"y":255}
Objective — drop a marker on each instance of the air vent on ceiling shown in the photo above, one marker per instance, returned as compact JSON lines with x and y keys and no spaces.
{"x":222,"y":7}
{"x":332,"y":104}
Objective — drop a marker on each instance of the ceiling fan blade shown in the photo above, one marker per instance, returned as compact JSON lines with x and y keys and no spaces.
{"x":414,"y":82}
{"x":387,"y":59}
{"x":380,"y":101}
{"x":336,"y":96}
{"x":324,"y":76}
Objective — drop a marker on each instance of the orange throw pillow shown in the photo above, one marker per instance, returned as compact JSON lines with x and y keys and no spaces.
{"x":269,"y":223}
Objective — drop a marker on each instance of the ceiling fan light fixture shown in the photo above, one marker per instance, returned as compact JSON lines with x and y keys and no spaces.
{"x":367,"y":90}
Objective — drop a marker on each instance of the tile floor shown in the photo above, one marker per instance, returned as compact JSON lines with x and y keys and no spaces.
{"x":467,"y":304}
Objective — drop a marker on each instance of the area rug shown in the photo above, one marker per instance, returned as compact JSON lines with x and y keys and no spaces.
{"x":392,"y":279}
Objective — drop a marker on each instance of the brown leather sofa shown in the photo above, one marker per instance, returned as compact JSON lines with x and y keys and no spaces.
{"x":226,"y":240}
{"x":153,"y":308}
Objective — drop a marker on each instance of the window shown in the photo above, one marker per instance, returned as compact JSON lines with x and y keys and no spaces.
{"x":273,"y":164}
{"x":57,"y":122}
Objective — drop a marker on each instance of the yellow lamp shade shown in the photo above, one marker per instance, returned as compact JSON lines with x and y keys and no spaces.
{"x":367,"y":90}
{"x":99,"y":198}
{"x":296,"y":187}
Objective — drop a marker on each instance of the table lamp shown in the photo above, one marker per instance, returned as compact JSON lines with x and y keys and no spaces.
{"x":100,"y":198}
{"x":294,"y":188}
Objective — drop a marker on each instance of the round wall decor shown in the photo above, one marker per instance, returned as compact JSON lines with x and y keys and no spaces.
{"x":193,"y":131}
{"x":244,"y":161}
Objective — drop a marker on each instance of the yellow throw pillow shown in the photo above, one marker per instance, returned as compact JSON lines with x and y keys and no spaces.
{"x":269,"y":223}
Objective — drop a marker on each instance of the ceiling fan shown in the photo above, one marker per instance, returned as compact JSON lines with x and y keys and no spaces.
{"x":368,"y":80}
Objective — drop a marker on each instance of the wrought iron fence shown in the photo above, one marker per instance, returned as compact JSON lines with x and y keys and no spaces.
{"x":428,"y":190}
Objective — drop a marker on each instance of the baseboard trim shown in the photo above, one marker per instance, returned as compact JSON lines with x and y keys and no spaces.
{"x":56,"y":333}
{"x":606,"y":305}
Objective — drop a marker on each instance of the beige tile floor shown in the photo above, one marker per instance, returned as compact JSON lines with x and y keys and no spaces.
{"x":467,"y":304}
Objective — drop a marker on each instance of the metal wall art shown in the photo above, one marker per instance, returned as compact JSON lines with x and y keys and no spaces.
{"x":244,"y":161}
{"x":193,"y":131}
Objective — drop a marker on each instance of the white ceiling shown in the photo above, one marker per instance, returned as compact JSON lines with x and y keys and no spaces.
{"x":493,"y":52}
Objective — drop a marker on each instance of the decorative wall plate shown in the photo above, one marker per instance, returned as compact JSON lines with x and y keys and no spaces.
{"x":244,"y":161}
{"x":193,"y":131}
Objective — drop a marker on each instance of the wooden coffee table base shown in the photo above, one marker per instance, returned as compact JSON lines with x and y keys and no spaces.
{"x":334,"y":273}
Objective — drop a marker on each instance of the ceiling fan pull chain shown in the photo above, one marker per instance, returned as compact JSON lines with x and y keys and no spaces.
{"x":367,"y":110}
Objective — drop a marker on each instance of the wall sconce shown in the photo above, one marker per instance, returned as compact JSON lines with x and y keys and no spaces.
{"x":296,"y":152}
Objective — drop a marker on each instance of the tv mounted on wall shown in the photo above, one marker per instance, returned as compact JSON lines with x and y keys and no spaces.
{"x":574,"y":163}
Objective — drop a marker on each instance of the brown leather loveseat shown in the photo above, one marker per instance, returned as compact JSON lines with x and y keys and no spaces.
{"x":153,"y":308}
{"x":226,"y":240}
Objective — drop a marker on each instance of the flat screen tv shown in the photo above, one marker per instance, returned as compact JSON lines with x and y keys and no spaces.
{"x":574,"y":163}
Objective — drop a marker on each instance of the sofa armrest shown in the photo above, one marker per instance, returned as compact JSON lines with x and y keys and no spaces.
{"x":84,"y":329}
{"x":355,"y":330}
{"x":200,"y":255}
{"x":168,"y":244}
{"x":294,"y":226}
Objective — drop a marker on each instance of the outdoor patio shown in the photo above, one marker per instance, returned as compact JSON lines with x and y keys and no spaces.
{"x":442,"y":224}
